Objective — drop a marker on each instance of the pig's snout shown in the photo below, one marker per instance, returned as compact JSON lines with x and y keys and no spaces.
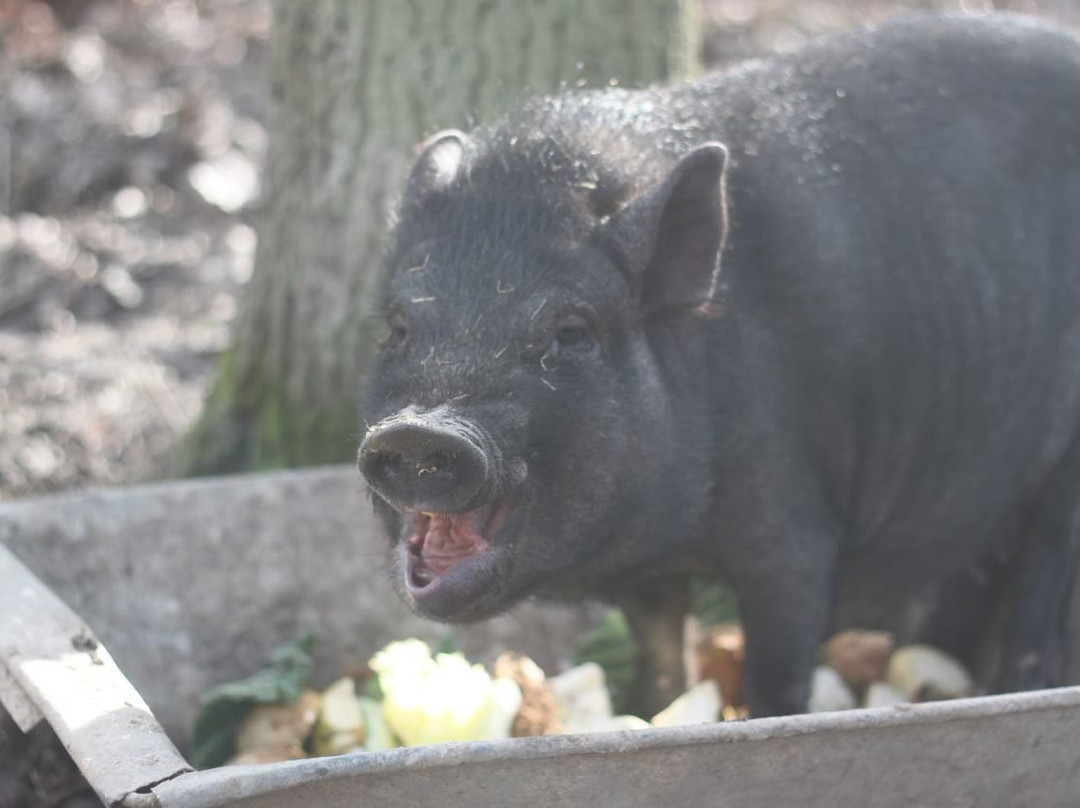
{"x":427,"y":462}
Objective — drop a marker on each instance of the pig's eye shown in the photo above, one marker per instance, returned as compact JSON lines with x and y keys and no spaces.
{"x":573,"y":336}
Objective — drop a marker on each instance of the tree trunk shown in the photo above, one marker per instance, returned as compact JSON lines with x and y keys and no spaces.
{"x":356,"y":84}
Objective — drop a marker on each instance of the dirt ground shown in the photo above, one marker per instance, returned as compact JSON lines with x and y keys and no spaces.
{"x":132,"y":133}
{"x":135,"y":132}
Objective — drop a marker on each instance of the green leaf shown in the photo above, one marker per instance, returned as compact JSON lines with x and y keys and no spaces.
{"x":610,"y":645}
{"x":447,"y":645}
{"x":225,"y":707}
{"x":713,"y":603}
{"x":369,"y":686}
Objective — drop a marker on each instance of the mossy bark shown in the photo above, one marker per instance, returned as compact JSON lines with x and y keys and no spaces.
{"x":356,"y":84}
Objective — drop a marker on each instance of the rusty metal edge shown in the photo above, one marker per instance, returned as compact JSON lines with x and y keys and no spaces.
{"x":53,"y":658}
{"x":18,"y":705}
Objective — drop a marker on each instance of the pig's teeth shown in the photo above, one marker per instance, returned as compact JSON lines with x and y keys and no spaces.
{"x":422,"y":577}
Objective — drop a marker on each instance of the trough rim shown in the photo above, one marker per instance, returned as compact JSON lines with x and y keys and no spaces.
{"x":218,"y":787}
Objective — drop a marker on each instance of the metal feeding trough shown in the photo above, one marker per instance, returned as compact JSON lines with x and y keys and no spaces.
{"x":190,"y":584}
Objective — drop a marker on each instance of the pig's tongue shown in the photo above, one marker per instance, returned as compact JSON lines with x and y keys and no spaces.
{"x":441,"y":540}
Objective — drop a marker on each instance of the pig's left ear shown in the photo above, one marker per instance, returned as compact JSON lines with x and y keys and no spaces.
{"x":672,"y":235}
{"x":437,"y":165}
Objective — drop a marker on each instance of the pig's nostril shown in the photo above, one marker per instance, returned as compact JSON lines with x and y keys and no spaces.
{"x":390,"y":464}
{"x":437,"y":462}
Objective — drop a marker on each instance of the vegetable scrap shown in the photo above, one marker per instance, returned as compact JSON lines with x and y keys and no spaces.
{"x":408,"y":695}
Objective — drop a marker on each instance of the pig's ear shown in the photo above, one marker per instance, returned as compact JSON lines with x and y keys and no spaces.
{"x":437,"y":165}
{"x":672,"y":235}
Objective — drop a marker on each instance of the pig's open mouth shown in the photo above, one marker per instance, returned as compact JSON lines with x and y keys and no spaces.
{"x":446,"y":550}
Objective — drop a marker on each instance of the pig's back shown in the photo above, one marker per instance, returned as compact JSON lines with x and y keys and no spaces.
{"x":906,"y":228}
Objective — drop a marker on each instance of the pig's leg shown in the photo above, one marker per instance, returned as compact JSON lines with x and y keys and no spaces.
{"x":961,"y":620}
{"x":656,"y":613}
{"x":1035,"y":649}
{"x":784,"y":606}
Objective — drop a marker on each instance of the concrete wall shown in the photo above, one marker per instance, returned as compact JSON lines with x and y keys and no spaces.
{"x":192,"y":583}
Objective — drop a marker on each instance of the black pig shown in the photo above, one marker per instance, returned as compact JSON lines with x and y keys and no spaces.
{"x":810,"y":325}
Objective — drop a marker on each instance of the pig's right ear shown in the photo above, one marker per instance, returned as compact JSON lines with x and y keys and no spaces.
{"x":437,"y":165}
{"x":671,"y":236}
